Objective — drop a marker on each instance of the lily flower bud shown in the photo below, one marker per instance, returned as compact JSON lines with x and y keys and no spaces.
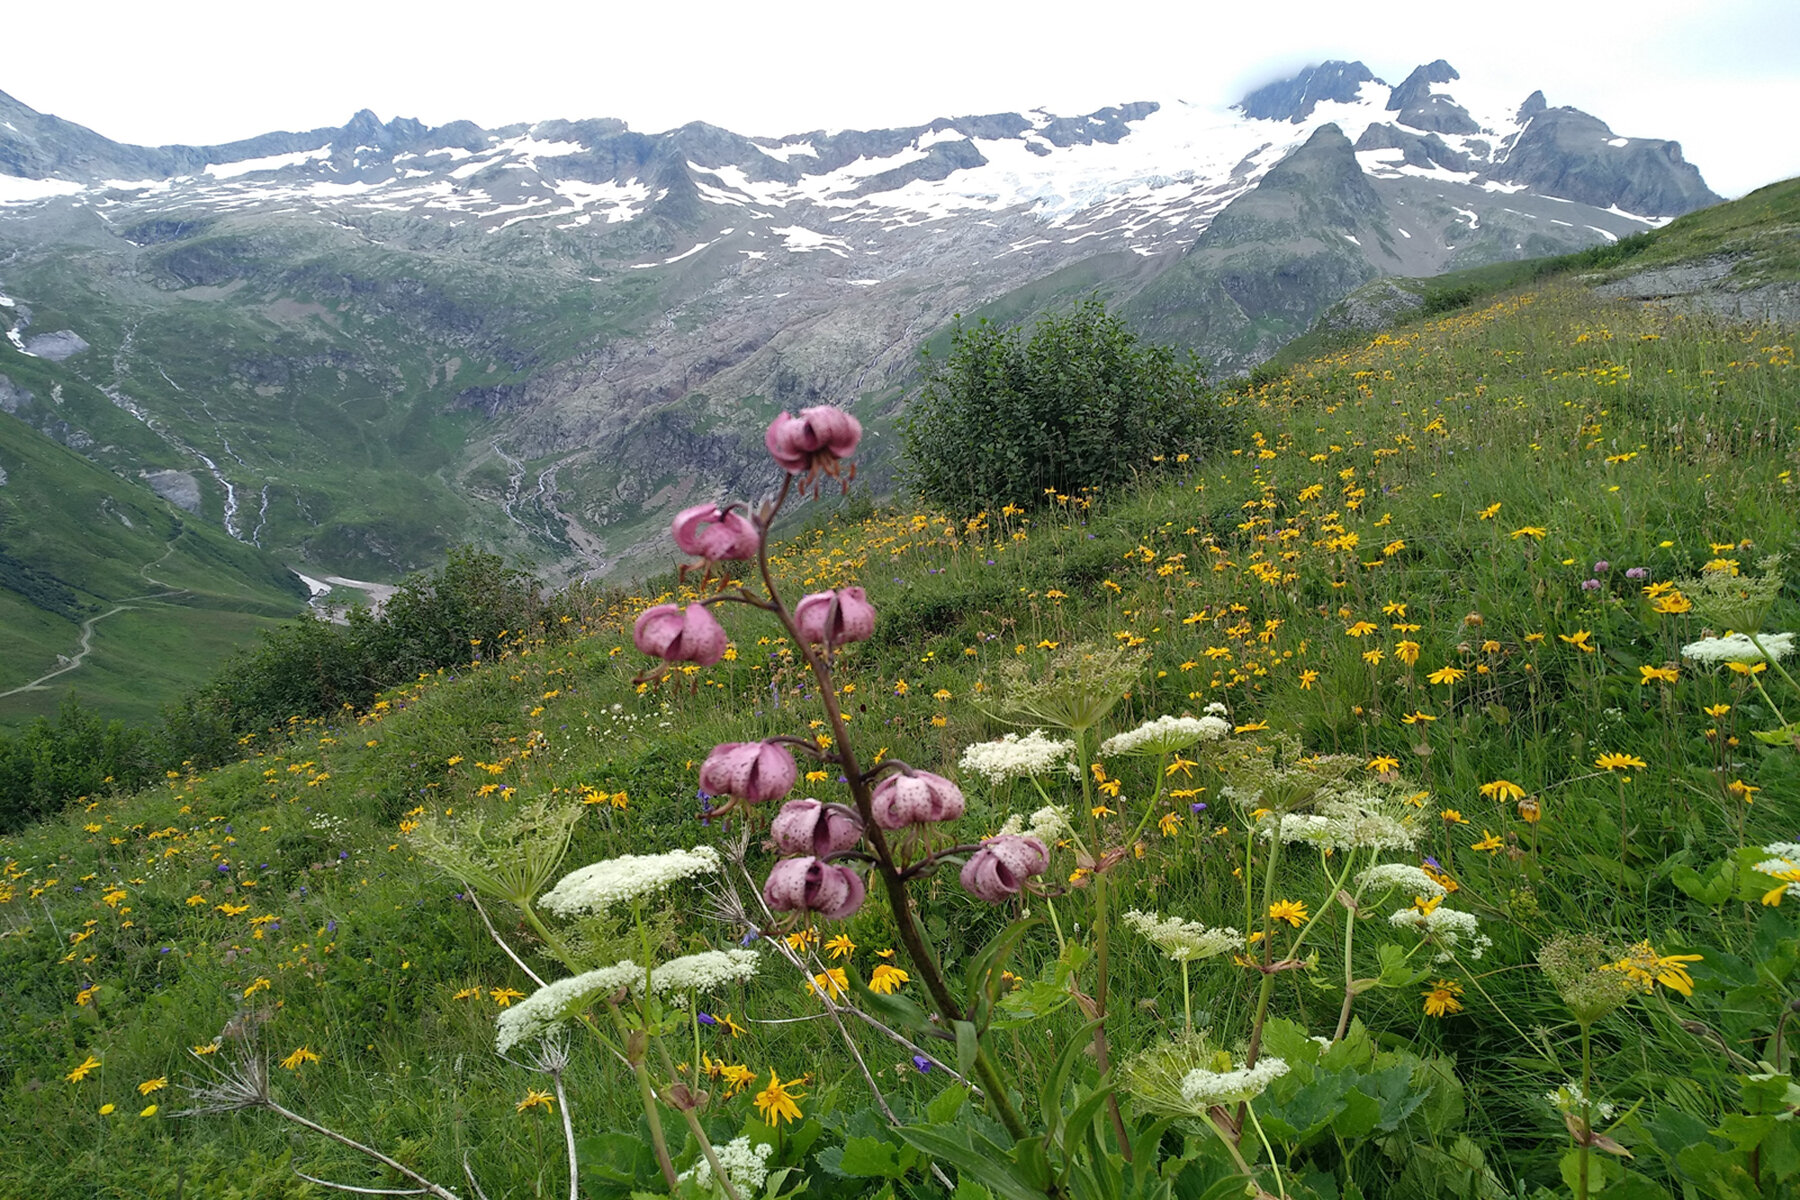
{"x":1002,"y":865}
{"x":833,"y":618}
{"x":808,"y":885}
{"x":751,"y":771}
{"x":674,"y":634}
{"x":902,"y":800}
{"x":809,"y":827}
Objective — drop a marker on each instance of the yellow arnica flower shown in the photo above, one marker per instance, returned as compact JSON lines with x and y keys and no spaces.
{"x":299,"y":1058}
{"x":536,"y":1099}
{"x":1489,"y":842}
{"x":1446,"y":675}
{"x":1291,"y":911}
{"x":776,"y":1102}
{"x":81,"y":1072}
{"x":885,"y":979}
{"x":1657,"y":674}
{"x":504,"y":996}
{"x":841,"y":946}
{"x":1620,"y":762}
{"x":833,"y":983}
{"x":1502,"y":790}
{"x":153,"y":1085}
{"x":1442,"y":1000}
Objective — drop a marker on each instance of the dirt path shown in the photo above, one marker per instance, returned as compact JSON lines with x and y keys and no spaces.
{"x":87,"y":626}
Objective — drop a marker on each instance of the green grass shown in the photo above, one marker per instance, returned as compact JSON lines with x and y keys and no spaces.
{"x":1625,"y":435}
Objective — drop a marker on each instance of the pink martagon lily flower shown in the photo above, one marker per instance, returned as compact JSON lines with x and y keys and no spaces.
{"x":810,"y":827}
{"x":815,"y":439}
{"x":809,"y":885}
{"x":1002,"y":865}
{"x":833,"y":618}
{"x":902,"y":800}
{"x":751,"y":771}
{"x":714,"y":534}
{"x":674,"y":634}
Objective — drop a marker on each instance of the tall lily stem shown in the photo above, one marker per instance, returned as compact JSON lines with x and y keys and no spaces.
{"x":906,"y":919}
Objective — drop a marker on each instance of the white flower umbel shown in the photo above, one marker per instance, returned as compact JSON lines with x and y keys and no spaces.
{"x":1184,"y":941}
{"x":1164,"y":735}
{"x":1015,"y":757}
{"x":1738,"y":648}
{"x":704,"y":972}
{"x":746,"y":1165}
{"x":1346,"y":823}
{"x":554,"y":1003}
{"x":601,"y":885}
{"x":1450,"y":929}
{"x":1407,"y":878}
{"x":1049,"y":824}
{"x":1203,"y":1088}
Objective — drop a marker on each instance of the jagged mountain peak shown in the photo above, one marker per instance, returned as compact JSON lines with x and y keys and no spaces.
{"x":1295,"y":99}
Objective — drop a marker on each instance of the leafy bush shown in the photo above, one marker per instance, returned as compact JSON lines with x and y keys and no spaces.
{"x":1080,"y":403}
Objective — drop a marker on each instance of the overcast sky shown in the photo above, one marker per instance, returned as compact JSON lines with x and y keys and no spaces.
{"x":1721,"y":77}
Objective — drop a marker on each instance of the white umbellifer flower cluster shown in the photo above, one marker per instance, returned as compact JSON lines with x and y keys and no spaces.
{"x":1164,"y":735}
{"x":1015,"y":757}
{"x":1404,"y":876}
{"x":547,"y":1007}
{"x":1203,"y":1088}
{"x":1450,"y":928}
{"x":1183,"y":941}
{"x":1346,"y":823}
{"x":1738,"y":648}
{"x":601,"y":885}
{"x":1569,"y":1098}
{"x":1215,"y":709}
{"x":704,"y":971}
{"x":1049,"y":824}
{"x":746,"y":1165}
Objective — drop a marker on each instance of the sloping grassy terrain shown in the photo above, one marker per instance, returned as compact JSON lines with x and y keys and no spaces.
{"x":168,"y":594}
{"x":1442,"y":552}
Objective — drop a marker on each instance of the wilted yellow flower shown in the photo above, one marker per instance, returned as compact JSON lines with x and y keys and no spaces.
{"x":299,"y":1058}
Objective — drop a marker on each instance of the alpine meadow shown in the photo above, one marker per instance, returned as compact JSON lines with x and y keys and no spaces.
{"x":1168,"y":653}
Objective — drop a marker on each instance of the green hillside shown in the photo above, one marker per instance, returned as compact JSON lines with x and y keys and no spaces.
{"x":1448,"y":569}
{"x":157,"y":596}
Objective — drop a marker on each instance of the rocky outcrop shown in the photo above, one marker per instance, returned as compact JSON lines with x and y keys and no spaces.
{"x":1422,"y":108}
{"x":1564,"y":152}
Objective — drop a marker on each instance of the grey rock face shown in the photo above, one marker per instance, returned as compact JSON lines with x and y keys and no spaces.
{"x":1567,"y":153}
{"x":1421,"y":109}
{"x":177,"y":487}
{"x":58,"y":346}
{"x":13,"y":397}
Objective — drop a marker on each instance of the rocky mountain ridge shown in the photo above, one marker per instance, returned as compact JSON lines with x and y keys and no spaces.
{"x":353,"y":347}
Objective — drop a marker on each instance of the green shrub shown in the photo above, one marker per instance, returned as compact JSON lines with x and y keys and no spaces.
{"x":1080,"y":403}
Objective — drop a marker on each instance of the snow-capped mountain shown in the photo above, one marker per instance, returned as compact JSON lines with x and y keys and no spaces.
{"x":562,"y":330}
